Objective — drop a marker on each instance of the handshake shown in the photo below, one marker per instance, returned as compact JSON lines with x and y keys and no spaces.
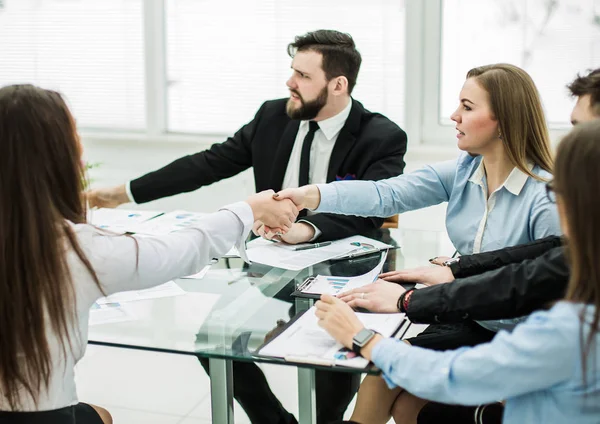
{"x":274,"y":213}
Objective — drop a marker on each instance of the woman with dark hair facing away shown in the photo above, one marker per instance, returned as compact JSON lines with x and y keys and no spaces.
{"x":54,"y":266}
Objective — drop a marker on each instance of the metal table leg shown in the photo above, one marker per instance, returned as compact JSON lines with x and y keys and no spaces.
{"x":307,"y":404}
{"x":221,"y":390}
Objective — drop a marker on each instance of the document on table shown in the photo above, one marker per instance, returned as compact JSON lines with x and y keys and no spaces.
{"x":199,"y":275}
{"x":119,"y":220}
{"x":330,"y":284}
{"x":168,"y":223}
{"x":164,"y":290}
{"x":281,"y":255}
{"x":305,"y":342}
{"x":109,"y":313}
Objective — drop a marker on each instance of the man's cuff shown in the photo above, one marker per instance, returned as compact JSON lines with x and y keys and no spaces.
{"x":244,"y":213}
{"x":317,"y":231}
{"x":128,"y":191}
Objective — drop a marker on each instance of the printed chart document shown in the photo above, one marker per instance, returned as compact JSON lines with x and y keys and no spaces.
{"x":330,"y":284}
{"x":199,"y":275}
{"x":305,"y":342}
{"x":119,"y":220}
{"x":109,"y":313}
{"x":168,"y":223}
{"x":164,"y":290}
{"x":282,"y":255}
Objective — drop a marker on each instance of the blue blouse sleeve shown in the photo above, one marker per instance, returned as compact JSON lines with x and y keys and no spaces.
{"x":537,"y":354}
{"x":427,"y":186}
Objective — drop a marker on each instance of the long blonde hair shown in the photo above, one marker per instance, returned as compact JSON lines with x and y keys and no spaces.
{"x":516,"y":105}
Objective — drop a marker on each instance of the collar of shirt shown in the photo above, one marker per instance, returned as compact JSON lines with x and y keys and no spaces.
{"x":514,"y":183}
{"x":332,"y":126}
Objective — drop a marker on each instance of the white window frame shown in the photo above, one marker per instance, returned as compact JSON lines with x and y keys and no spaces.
{"x":425,"y":81}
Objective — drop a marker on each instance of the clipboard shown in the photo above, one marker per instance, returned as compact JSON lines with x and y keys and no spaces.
{"x":355,"y":362}
{"x":333,"y":285}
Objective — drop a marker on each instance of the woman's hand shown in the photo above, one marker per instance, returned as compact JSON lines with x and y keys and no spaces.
{"x":380,"y":296}
{"x":305,"y":197}
{"x":279,"y":215}
{"x":427,"y":275}
{"x":338,"y":319}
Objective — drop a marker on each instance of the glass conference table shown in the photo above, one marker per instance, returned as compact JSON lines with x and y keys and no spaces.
{"x":230,"y":312}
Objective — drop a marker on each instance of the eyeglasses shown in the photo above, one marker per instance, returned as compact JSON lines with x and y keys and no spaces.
{"x":551,"y":192}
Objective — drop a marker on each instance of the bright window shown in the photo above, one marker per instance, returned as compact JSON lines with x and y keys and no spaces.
{"x":224,"y":59}
{"x":551,"y":40}
{"x":89,"y":50}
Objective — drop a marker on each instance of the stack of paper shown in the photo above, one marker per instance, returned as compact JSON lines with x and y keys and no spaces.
{"x":119,"y":220}
{"x":113,"y":308}
{"x":164,"y":290}
{"x":280,"y":255}
{"x":168,"y":223}
{"x":109,"y":313}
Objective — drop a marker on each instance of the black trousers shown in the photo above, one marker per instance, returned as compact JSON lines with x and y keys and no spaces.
{"x":82,"y":413}
{"x":452,"y":336}
{"x":334,"y":391}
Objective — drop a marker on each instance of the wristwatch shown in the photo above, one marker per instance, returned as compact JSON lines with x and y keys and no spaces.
{"x":452,"y":264}
{"x":361,"y":339}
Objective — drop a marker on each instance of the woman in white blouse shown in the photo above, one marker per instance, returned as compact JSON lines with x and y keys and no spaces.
{"x":54,"y":266}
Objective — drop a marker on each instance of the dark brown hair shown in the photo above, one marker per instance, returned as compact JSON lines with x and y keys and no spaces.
{"x":516,"y":105}
{"x":340,"y":57}
{"x":588,"y":84}
{"x":576,"y":183}
{"x":41,"y":183}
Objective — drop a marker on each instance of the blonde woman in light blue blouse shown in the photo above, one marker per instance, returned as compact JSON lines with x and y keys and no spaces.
{"x":548,"y":368}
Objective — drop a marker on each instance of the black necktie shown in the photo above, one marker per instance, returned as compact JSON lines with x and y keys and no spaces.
{"x":305,"y":156}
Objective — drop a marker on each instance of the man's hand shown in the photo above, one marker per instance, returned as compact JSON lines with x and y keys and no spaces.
{"x":108,"y":197}
{"x":379,"y":296}
{"x":300,"y":232}
{"x":426,"y":275}
{"x":338,"y":319}
{"x":305,"y":197}
{"x":278,"y":215}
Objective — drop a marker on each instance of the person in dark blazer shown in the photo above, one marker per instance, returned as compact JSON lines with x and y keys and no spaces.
{"x":359,"y":144}
{"x":318,"y":134}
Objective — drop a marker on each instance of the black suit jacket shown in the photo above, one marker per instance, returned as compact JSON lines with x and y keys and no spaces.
{"x":369,"y":147}
{"x":519,"y":280}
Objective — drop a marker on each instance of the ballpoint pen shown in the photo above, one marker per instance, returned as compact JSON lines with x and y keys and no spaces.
{"x":313,"y":246}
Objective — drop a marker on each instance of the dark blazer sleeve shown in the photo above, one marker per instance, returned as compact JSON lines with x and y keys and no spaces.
{"x":508,"y":292}
{"x":481,"y":262}
{"x":222,"y":160}
{"x":388,"y":162}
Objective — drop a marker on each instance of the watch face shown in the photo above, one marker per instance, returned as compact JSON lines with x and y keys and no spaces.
{"x":363,"y":336}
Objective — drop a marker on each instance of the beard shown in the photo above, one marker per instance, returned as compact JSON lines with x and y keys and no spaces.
{"x":307,"y":110}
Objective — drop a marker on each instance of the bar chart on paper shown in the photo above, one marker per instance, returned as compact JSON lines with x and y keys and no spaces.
{"x":333,"y":285}
{"x":337,"y":284}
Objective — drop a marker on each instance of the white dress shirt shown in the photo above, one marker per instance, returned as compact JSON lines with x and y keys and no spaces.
{"x":320,"y":150}
{"x":159,"y":259}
